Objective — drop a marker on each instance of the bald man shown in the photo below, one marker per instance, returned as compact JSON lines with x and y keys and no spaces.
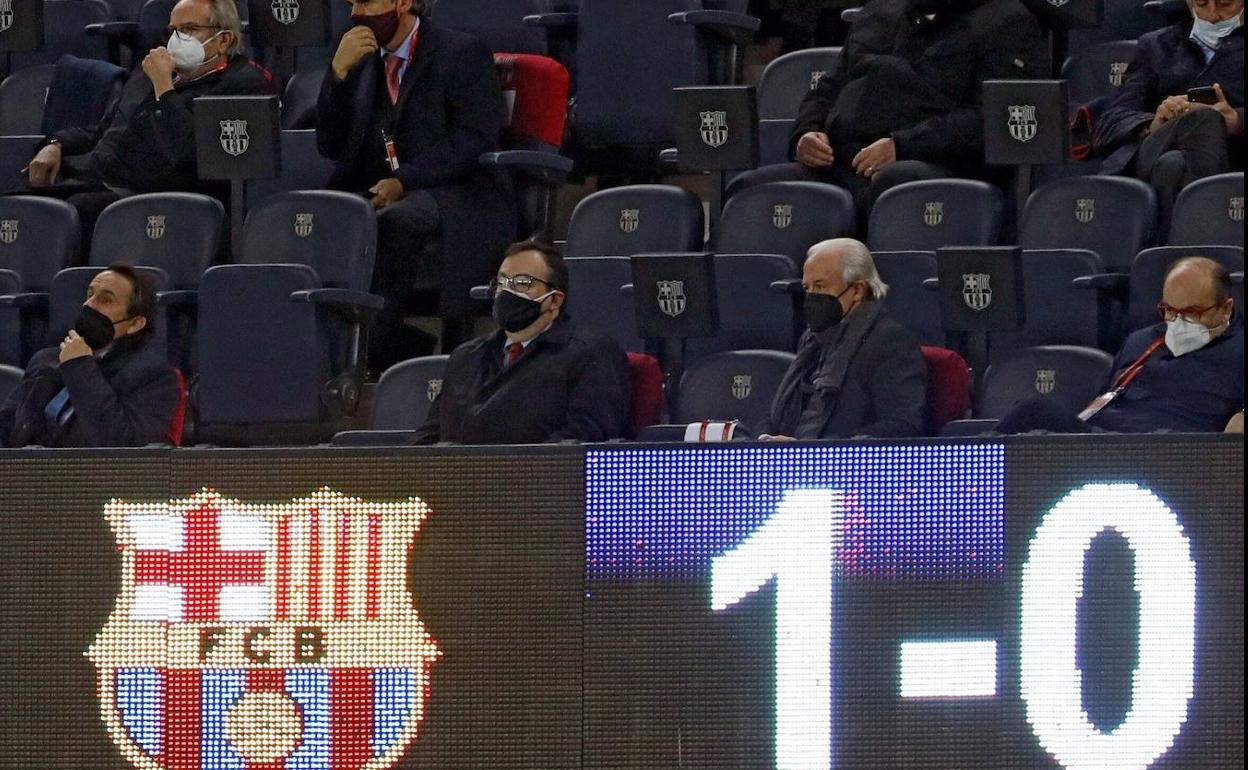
{"x":1184,"y":373}
{"x":858,"y":372}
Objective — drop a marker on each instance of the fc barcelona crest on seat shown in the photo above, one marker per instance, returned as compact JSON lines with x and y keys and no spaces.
{"x":9,"y":230}
{"x":1085,"y":210}
{"x":303,"y":225}
{"x":782,"y":215}
{"x":1116,"y":71}
{"x":276,"y":636}
{"x":977,"y":290}
{"x":1235,"y":208}
{"x":234,"y":139}
{"x":6,"y":15}
{"x":433,"y":389}
{"x":1022,"y":123}
{"x":1046,"y":381}
{"x":933,"y":213}
{"x":630,"y":220}
{"x":714,"y":127}
{"x":672,"y":297}
{"x":742,"y":384}
{"x":155,"y":227}
{"x":285,"y":11}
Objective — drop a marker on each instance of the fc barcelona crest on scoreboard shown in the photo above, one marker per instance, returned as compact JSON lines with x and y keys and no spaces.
{"x":264,"y":636}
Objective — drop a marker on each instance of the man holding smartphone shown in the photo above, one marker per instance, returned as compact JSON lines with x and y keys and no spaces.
{"x":1179,"y":115}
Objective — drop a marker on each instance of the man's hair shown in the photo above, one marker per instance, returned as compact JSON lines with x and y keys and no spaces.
{"x":1218,"y":275}
{"x":223,"y":14}
{"x":550,"y":255}
{"x":856,"y":264}
{"x":142,"y":298}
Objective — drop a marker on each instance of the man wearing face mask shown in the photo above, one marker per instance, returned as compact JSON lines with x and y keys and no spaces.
{"x":904,"y":104}
{"x":1184,"y":374}
{"x":106,"y":384}
{"x":858,"y":372}
{"x":405,"y":111}
{"x":1150,"y":129}
{"x":539,"y":378}
{"x":146,"y":143}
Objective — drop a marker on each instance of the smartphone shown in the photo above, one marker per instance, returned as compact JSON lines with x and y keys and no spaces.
{"x":1203,"y":94}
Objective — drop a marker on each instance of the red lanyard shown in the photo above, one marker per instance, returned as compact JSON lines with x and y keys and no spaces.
{"x":1131,"y":371}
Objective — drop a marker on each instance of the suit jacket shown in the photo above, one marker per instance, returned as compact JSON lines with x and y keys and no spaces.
{"x":448,"y":114}
{"x":567,"y":384}
{"x":125,"y":398}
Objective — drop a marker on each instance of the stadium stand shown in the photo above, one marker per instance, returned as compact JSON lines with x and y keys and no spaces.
{"x":1210,"y":211}
{"x":929,"y":214}
{"x":22,"y":98}
{"x":64,"y":32}
{"x":623,"y":221}
{"x":788,"y":78}
{"x":784,"y":218}
{"x":732,"y":385}
{"x":38,"y":237}
{"x":1112,"y":216}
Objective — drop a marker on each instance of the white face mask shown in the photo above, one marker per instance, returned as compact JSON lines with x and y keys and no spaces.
{"x":1184,"y":336}
{"x":187,"y":51}
{"x":1210,"y":33}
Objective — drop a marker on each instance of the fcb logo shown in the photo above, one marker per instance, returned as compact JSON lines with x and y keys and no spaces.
{"x":1022,"y":123}
{"x":714,"y":128}
{"x":1046,"y":380}
{"x":433,"y":389}
{"x":278,"y":636}
{"x":6,"y":14}
{"x":1085,"y":210}
{"x":672,"y":297}
{"x":782,"y":215}
{"x":933,"y":213}
{"x":741,"y":386}
{"x":1235,"y":208}
{"x":155,"y":227}
{"x":815,"y":77}
{"x":1116,"y":70}
{"x":1057,"y":3}
{"x":234,"y":139}
{"x":303,"y":225}
{"x":285,"y":11}
{"x":630,"y":220}
{"x":8,"y":230}
{"x":977,"y":290}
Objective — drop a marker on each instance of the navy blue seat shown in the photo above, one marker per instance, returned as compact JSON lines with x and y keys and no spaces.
{"x":81,"y":93}
{"x":1097,"y":71}
{"x":596,"y":302}
{"x":299,"y":99}
{"x":1210,"y":212}
{"x":1148,"y":274}
{"x":1070,"y":375}
{"x":930,"y":214}
{"x":334,"y":233}
{"x":784,"y":218}
{"x":10,"y":376}
{"x":1112,"y":216}
{"x":38,"y":237}
{"x":175,"y":231}
{"x":401,"y":402}
{"x":752,"y":315}
{"x":915,"y":306}
{"x":1059,"y":310}
{"x":22,"y":98}
{"x":735,"y":385}
{"x":64,"y":22}
{"x":636,"y":219}
{"x":497,"y":23}
{"x":15,"y":153}
{"x":788,"y":78}
{"x":1122,"y":20}
{"x":303,"y":168}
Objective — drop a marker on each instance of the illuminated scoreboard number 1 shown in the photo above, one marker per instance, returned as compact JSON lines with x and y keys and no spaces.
{"x":795,"y":546}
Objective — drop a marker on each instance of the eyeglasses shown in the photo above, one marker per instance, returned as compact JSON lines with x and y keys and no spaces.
{"x":1190,"y":314}
{"x":187,"y":30}
{"x":520,"y":282}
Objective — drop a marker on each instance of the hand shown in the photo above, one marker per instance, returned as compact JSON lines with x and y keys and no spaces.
{"x":1170,"y":108}
{"x":873,"y":158}
{"x":813,"y":150}
{"x":1228,"y":113}
{"x":1236,"y":425}
{"x":355,"y":45}
{"x":45,"y":167}
{"x":158,"y":66}
{"x":385,"y":192}
{"x":73,"y":346}
{"x":775,"y":437}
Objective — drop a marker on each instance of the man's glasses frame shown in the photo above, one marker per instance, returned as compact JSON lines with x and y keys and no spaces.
{"x":1191,"y":314}
{"x":188,"y":30}
{"x":521,"y":283}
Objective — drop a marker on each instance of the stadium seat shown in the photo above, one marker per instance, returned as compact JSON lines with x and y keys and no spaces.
{"x":497,"y":23}
{"x":773,"y":141}
{"x":1122,"y":20}
{"x":1112,"y":216}
{"x":646,"y":393}
{"x":299,"y":99}
{"x":788,"y":78}
{"x":1070,"y":375}
{"x":595,"y":301}
{"x":38,"y":237}
{"x":303,"y":168}
{"x":405,"y":392}
{"x":635,"y":219}
{"x":930,"y":214}
{"x":81,"y":93}
{"x":1148,"y":273}
{"x":177,"y":232}
{"x":334,"y":233}
{"x":734,"y":385}
{"x":948,"y":387}
{"x":1210,"y":212}
{"x":752,"y":315}
{"x":10,"y":376}
{"x":64,"y":25}
{"x":784,"y":218}
{"x":15,"y":153}
{"x":911,"y":303}
{"x":148,"y":30}
{"x":22,"y":98}
{"x":1059,"y":311}
{"x":1097,"y":70}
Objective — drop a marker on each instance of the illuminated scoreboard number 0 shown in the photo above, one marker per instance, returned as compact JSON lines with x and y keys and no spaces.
{"x":794,"y":546}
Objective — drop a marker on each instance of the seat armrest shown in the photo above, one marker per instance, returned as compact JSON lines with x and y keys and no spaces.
{"x":931,"y":284}
{"x":627,"y":290}
{"x":373,"y":438}
{"x":182,"y":300}
{"x":734,"y":27}
{"x":113,"y":29}
{"x":850,"y":15}
{"x":547,"y":167}
{"x":791,"y":286}
{"x":1165,"y":8}
{"x":976,"y":427}
{"x":1101,"y":281}
{"x":357,"y":306}
{"x":553,"y":21}
{"x":670,"y":156}
{"x":1237,"y":277}
{"x":27,"y":301}
{"x":480,"y":293}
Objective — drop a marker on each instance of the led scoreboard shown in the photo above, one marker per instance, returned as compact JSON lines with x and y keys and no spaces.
{"x":1039,"y":603}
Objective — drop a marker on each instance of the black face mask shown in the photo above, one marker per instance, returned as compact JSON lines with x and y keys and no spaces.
{"x":823,"y":311}
{"x":384,"y":25}
{"x":95,"y":328}
{"x":514,"y":312}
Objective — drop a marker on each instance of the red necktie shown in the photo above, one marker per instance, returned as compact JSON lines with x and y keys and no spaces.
{"x":513,"y":352}
{"x":393,"y":63}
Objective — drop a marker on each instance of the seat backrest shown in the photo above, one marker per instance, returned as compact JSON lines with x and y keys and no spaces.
{"x":636,"y":219}
{"x":933,"y":213}
{"x":784,"y":218}
{"x":912,"y":304}
{"x":177,"y":423}
{"x":1148,"y":275}
{"x":1210,"y":211}
{"x":153,"y":23}
{"x":734,"y":385}
{"x":788,"y":78}
{"x":15,"y":154}
{"x":303,"y":168}
{"x":10,"y":376}
{"x":1057,"y":312}
{"x":334,"y":233}
{"x":497,"y":23}
{"x":1111,"y":215}
{"x":406,"y":391}
{"x":646,"y":402}
{"x":176,"y":231}
{"x":595,"y":301}
{"x":751,"y":314}
{"x":1098,"y":70}
{"x":63,"y":23}
{"x":299,"y":99}
{"x":69,"y":290}
{"x":948,"y":387}
{"x":536,"y":91}
{"x":1070,"y":375}
{"x":38,"y":237}
{"x":81,"y":93}
{"x":22,"y":98}
{"x":629,"y":58}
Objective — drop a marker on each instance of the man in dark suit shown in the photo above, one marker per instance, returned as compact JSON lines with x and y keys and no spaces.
{"x":405,"y":111}
{"x":858,"y":372}
{"x":539,"y":378}
{"x":106,"y":384}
